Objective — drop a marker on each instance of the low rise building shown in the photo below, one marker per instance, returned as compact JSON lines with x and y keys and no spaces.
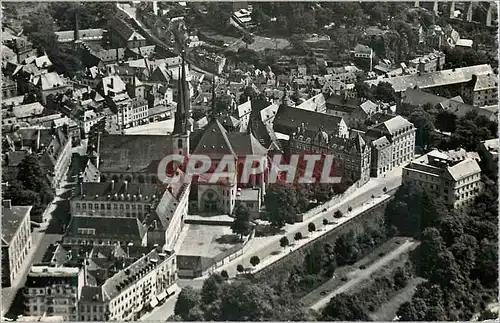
{"x":122,"y":34}
{"x":16,"y":241}
{"x":454,"y":176}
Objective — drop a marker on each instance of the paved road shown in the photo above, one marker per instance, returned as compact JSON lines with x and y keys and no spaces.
{"x":266,"y":246}
{"x":365,"y":274}
{"x":56,"y":215}
{"x":164,"y":311}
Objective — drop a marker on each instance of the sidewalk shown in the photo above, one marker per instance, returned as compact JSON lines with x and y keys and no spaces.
{"x":356,"y":199}
{"x":318,"y":233}
{"x":164,"y":311}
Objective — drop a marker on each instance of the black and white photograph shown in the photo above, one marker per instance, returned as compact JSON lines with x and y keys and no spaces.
{"x":249,"y":161}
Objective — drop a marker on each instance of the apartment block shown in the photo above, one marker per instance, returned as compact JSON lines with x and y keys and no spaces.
{"x":52,"y":291}
{"x":454,"y":176}
{"x":16,"y":240}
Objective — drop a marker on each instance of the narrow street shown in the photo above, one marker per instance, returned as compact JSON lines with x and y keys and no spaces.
{"x":56,"y":216}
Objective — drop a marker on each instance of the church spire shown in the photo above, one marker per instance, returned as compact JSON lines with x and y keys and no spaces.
{"x":182,"y":113}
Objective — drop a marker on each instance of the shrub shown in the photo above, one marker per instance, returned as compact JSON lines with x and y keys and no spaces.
{"x":240,"y":268}
{"x":325,"y":222}
{"x":311,"y":227}
{"x":298,"y":236}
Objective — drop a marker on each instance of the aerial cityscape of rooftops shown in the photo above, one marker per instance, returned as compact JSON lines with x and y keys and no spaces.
{"x":249,"y":161}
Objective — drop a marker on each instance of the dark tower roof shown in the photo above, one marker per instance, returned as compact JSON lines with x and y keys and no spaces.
{"x":182,"y":113}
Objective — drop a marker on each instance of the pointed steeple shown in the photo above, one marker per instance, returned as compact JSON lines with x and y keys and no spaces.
{"x":214,"y":97}
{"x":183,"y":111}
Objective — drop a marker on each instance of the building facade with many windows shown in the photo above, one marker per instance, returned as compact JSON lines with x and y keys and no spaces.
{"x":16,"y":240}
{"x":455,"y":176}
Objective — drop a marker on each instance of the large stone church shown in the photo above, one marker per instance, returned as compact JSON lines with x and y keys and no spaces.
{"x":135,"y":158}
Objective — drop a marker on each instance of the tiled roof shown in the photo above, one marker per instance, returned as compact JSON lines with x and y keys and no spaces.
{"x":393,"y":125}
{"x":416,"y":97}
{"x":122,"y":229}
{"x":246,"y":144}
{"x":124,"y":278}
{"x":486,"y":82}
{"x":134,"y":153}
{"x":125,"y":30}
{"x":11,"y":221}
{"x":112,"y":83}
{"x":48,"y":81}
{"x":214,"y":141}
{"x":464,"y":169}
{"x":369,"y":107}
{"x":28,"y":110}
{"x":106,"y":191}
{"x":491,"y":145}
{"x":84,"y":34}
{"x":434,"y":79}
{"x":381,"y":142}
{"x":288,"y":118}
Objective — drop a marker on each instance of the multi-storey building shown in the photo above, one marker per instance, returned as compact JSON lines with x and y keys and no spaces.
{"x":149,"y":213}
{"x":489,"y":153}
{"x":455,"y":176}
{"x":52,"y":291}
{"x":429,"y":63}
{"x":400,"y":133}
{"x":16,"y":240}
{"x":483,"y":90}
{"x":352,"y":155}
{"x":129,"y":293}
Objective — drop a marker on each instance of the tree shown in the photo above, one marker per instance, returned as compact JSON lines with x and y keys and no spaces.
{"x":224,"y":274}
{"x":401,"y":277}
{"x":325,"y":222}
{"x":412,"y":210}
{"x":343,"y":307}
{"x":280,"y":202}
{"x":211,"y":288}
{"x":338,"y":214}
{"x":427,"y":253}
{"x":486,"y":268}
{"x":240,"y":268}
{"x":384,"y":92}
{"x":415,"y":310}
{"x":254,"y":260}
{"x":30,"y":174}
{"x":346,"y":249}
{"x":284,"y":242}
{"x":311,"y":227}
{"x":187,"y":299}
{"x":349,"y":209}
{"x":298,"y":236}
{"x":385,"y":189}
{"x":241,"y":224}
{"x":424,"y":122}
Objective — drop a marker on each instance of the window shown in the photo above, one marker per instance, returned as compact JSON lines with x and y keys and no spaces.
{"x":77,"y":205}
{"x":115,"y":206}
{"x":84,"y":206}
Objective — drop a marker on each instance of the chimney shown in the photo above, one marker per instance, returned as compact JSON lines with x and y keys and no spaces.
{"x":111,"y":85}
{"x":126,"y":186}
{"x":112,"y":184}
{"x":81,"y":188}
{"x":7,"y":204}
